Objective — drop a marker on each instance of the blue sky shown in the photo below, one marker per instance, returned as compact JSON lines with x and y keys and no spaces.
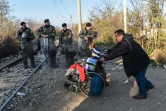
{"x":58,"y":12}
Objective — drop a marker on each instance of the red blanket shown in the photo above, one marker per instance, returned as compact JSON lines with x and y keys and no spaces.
{"x":80,"y":69}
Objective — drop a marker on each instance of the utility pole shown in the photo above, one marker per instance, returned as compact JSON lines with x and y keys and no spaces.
{"x":125,"y":18}
{"x":71,"y":20}
{"x":79,"y":15}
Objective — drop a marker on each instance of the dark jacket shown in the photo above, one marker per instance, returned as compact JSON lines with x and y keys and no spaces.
{"x":134,"y":57}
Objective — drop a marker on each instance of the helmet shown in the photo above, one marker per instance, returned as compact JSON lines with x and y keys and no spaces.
{"x":24,"y":35}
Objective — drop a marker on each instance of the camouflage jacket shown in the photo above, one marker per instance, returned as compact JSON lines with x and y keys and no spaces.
{"x":88,"y":33}
{"x":46,"y":30}
{"x":64,"y":34}
{"x":50,"y":31}
{"x":26,"y":30}
{"x":25,"y":43}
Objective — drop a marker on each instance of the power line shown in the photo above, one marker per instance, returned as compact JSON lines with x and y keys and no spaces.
{"x":68,"y":14}
{"x":65,"y":7}
{"x":56,"y":6}
{"x":65,"y":10}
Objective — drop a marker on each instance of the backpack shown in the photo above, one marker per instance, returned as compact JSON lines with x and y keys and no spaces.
{"x":91,"y":64}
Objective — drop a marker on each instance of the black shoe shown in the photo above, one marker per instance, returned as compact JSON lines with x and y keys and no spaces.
{"x":139,"y":97}
{"x":147,"y":89}
{"x":106,"y":83}
{"x":25,"y":67}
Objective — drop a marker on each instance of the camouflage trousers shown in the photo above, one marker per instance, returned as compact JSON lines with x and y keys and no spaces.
{"x":28,"y":54}
{"x":52,"y":58}
{"x":68,"y":51}
{"x":83,"y":48}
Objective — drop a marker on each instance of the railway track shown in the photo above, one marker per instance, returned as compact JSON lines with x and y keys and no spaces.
{"x":11,"y":63}
{"x":12,"y":93}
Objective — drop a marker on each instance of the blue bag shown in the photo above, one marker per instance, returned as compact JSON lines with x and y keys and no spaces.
{"x":96,"y":85}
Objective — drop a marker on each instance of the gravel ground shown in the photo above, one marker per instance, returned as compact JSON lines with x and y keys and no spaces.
{"x":45,"y":92}
{"x":11,"y":78}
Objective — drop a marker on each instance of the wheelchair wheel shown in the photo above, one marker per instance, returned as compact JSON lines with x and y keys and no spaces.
{"x":74,"y":88}
{"x":85,"y":86}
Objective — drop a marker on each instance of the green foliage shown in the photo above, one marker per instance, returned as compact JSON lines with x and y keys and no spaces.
{"x":146,"y":22}
{"x":154,"y":62}
{"x":8,"y":43}
{"x":106,"y":20}
{"x":9,"y":46}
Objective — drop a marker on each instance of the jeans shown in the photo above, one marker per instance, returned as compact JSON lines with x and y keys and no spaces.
{"x":142,"y":82}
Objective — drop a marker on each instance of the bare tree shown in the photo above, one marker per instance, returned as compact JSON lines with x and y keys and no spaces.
{"x":106,"y":20}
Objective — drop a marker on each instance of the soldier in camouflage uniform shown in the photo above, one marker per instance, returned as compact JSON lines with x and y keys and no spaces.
{"x":86,"y":37}
{"x":47,"y":33}
{"x":25,"y":36}
{"x":66,"y":43}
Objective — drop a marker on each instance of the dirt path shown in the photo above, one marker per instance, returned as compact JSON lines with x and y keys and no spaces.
{"x":45,"y":92}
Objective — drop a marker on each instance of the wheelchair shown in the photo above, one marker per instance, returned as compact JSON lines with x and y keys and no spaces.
{"x":74,"y":82}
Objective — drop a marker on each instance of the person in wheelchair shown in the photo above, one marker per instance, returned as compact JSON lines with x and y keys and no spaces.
{"x":93,"y":63}
{"x":87,"y":75}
